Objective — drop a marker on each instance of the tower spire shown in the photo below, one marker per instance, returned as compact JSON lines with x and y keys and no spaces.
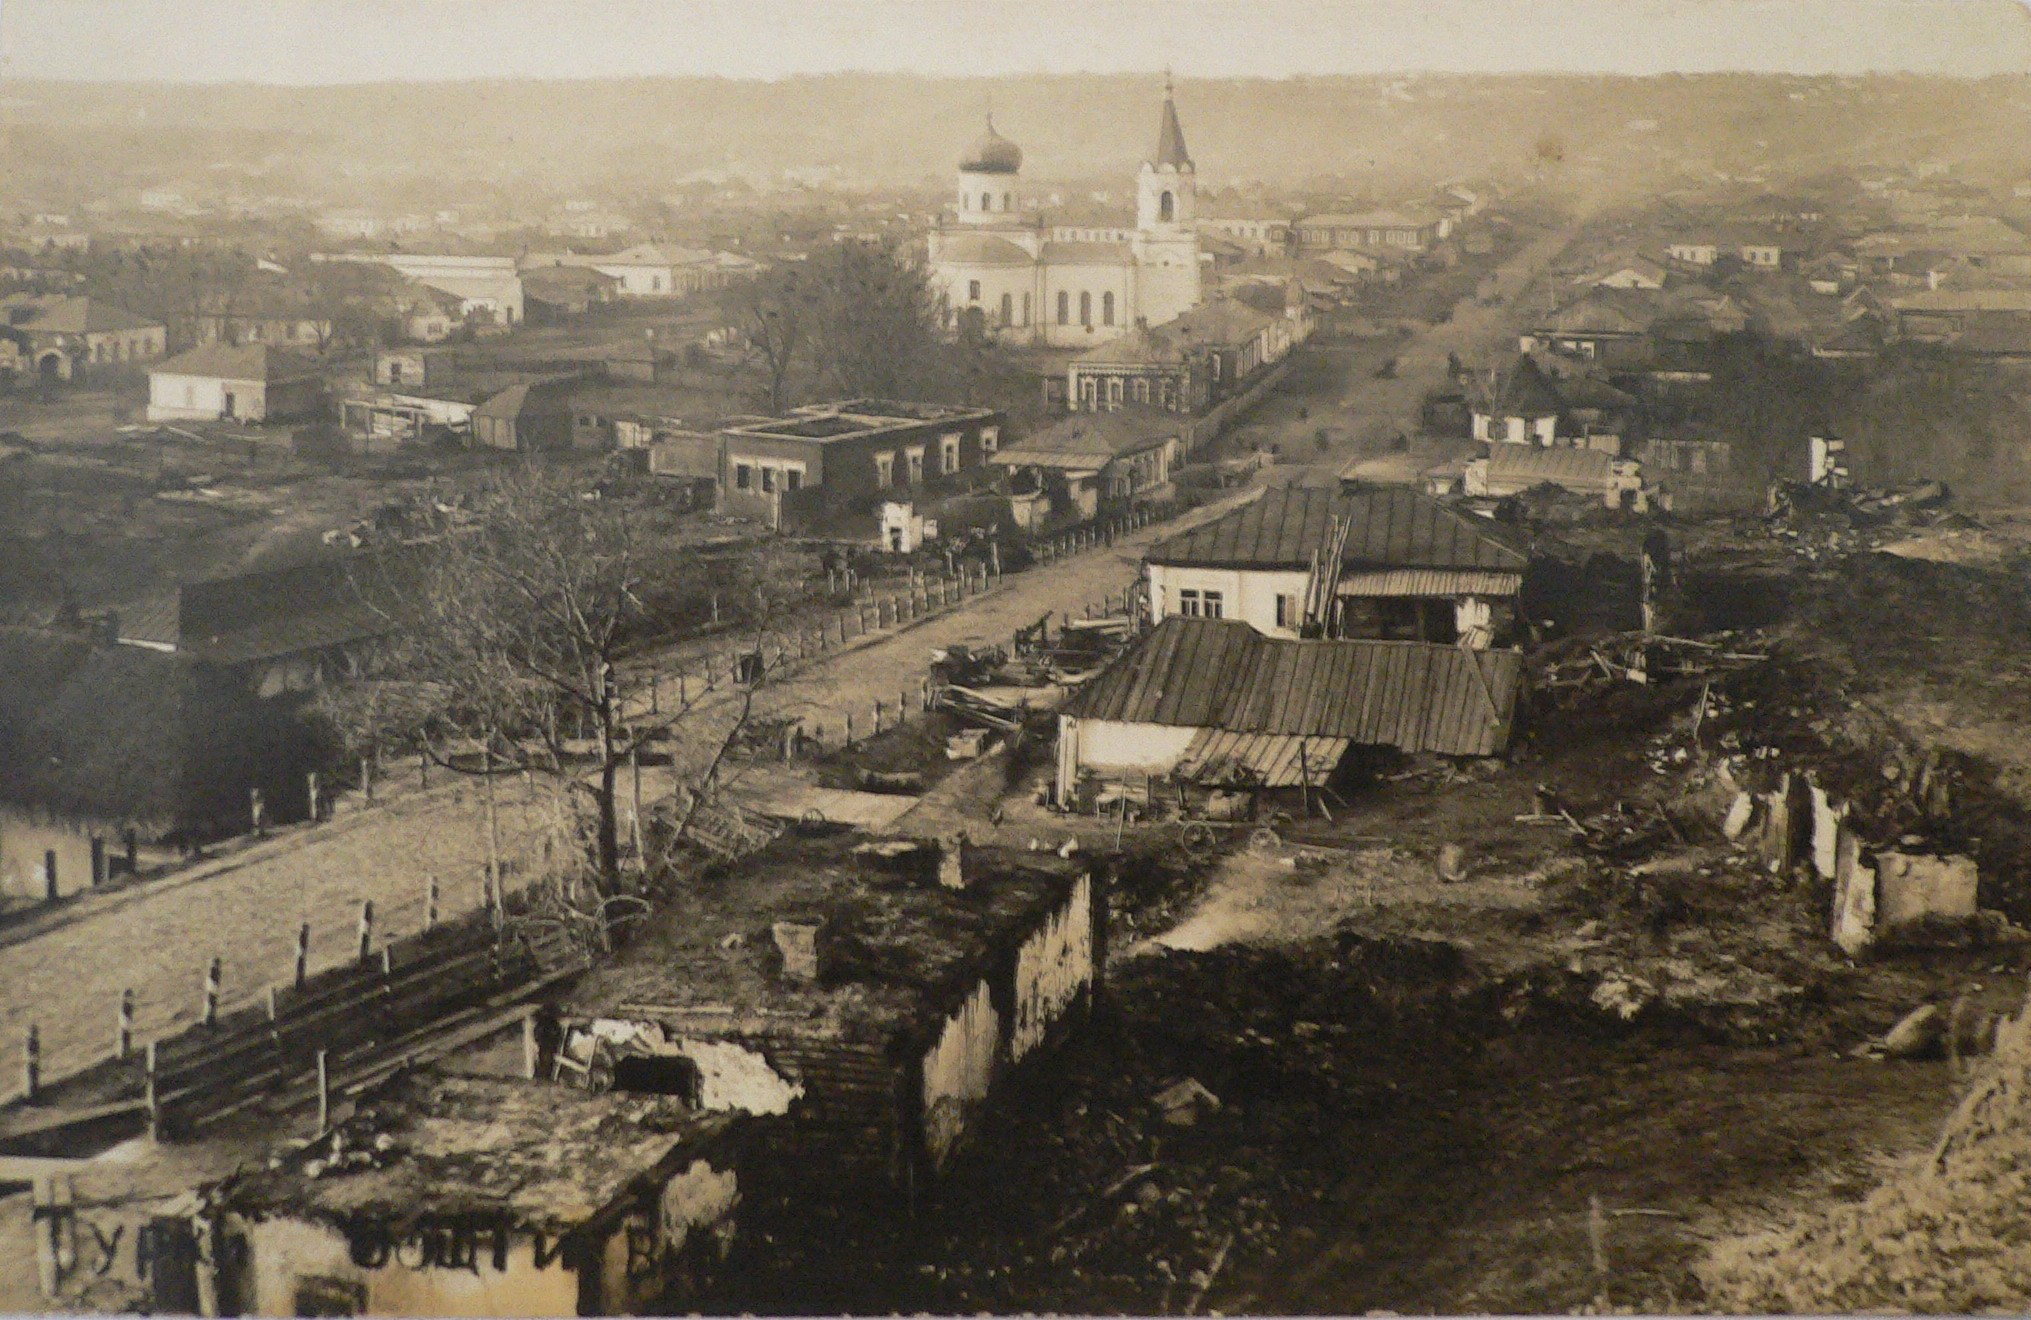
{"x":1170,"y":134}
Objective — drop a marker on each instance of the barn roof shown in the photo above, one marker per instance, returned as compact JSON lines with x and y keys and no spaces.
{"x":1220,"y":673}
{"x":1393,"y":527}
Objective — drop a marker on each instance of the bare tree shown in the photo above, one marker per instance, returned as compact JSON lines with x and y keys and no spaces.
{"x":528,"y":631}
{"x":773,"y":310}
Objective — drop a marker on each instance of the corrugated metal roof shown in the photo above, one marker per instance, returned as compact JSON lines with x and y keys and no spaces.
{"x":1430,"y":582}
{"x":1593,"y":468}
{"x":1268,"y":760}
{"x":1393,"y":528}
{"x":1217,"y":673}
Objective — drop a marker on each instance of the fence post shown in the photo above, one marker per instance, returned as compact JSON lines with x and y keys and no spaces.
{"x":124,"y":1039}
{"x":149,"y":1092}
{"x":877,"y":716}
{"x":367,"y":777}
{"x":849,"y":730}
{"x":31,"y":1064}
{"x":310,"y":791}
{"x":273,"y":1009}
{"x":323,"y":1092}
{"x":366,"y":928}
{"x":430,"y":904}
{"x":302,"y":954}
{"x":213,"y":971}
{"x":422,"y":768}
{"x":255,"y":812}
{"x":531,"y":1054}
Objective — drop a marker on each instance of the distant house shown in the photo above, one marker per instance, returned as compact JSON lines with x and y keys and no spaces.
{"x":1216,"y":703}
{"x":557,"y":293}
{"x":1638,"y":272}
{"x":282,"y":630}
{"x":350,"y":222}
{"x":72,"y":338}
{"x":529,"y":417}
{"x":249,"y":383}
{"x":1386,"y":563}
{"x":651,"y":270}
{"x":1185,"y":365}
{"x":1088,"y":460}
{"x":849,"y":456}
{"x":1513,"y":469}
{"x":1259,"y":235}
{"x":1404,"y":230}
{"x":277,"y":322}
{"x":484,"y":288}
{"x":1693,"y":251}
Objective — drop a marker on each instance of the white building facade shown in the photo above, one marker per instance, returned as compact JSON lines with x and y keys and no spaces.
{"x":1018,"y":280}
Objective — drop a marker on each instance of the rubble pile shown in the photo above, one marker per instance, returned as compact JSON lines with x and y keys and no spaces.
{"x":1944,"y":1235}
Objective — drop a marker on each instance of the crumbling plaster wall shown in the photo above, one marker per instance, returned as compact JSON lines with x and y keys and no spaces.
{"x":958,"y":1072}
{"x":283,"y":1252}
{"x":1053,"y":967}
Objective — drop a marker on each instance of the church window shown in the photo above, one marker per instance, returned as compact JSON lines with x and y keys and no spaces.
{"x":1008,"y":201}
{"x":1088,"y":392}
{"x":1086,"y":310}
{"x":1114,"y":390}
{"x":1026,"y":309}
{"x":1064,"y":307}
{"x":973,"y":290}
{"x":1008,"y":309}
{"x":1166,"y":208}
{"x":1142,"y":389}
{"x":987,"y":201}
{"x":1107,"y":308}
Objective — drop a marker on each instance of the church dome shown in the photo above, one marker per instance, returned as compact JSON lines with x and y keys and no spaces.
{"x":992,"y":154}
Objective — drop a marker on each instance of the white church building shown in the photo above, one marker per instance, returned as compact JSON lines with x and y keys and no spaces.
{"x":1029,"y":283}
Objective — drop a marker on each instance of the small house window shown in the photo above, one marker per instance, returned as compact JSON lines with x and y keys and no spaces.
{"x":884,"y":470}
{"x":1286,"y":611}
{"x":1211,"y":600}
{"x":792,"y":479}
{"x":949,"y":453}
{"x":916,"y":457}
{"x":990,"y":437}
{"x":768,"y":480}
{"x":973,"y":290}
{"x":743,"y":476}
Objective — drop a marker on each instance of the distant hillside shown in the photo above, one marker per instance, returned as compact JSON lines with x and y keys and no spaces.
{"x":895,"y":129}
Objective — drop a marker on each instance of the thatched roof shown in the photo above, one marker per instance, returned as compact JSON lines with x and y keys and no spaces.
{"x":137,"y":737}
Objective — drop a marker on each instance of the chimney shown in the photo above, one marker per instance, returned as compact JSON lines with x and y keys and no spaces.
{"x":797,"y":941}
{"x":952,"y":861}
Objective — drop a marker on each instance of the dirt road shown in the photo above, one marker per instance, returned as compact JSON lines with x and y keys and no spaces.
{"x":65,"y":971}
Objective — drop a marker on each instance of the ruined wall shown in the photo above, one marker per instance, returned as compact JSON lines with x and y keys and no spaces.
{"x":669,"y":1250}
{"x":736,"y":1077}
{"x":958,"y":1071}
{"x":1053,"y":967}
{"x":292,"y":1260}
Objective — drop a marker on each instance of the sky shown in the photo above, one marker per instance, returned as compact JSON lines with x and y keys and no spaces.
{"x":303,"y":42}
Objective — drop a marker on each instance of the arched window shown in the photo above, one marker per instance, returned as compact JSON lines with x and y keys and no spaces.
{"x":973,"y":290}
{"x":1008,"y":201}
{"x":1064,"y":308}
{"x":1114,"y":390}
{"x":1026,"y":309}
{"x":1167,"y":207}
{"x":1107,"y":308}
{"x":1086,"y":310}
{"x":1008,"y":309}
{"x":987,"y":201}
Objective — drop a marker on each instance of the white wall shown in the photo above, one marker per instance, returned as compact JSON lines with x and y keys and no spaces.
{"x":203,"y":398}
{"x":282,"y":1251}
{"x":1246,"y":594}
{"x":1052,"y":968}
{"x":959,"y":1071}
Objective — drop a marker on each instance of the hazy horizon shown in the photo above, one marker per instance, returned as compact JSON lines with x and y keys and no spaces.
{"x":306,"y":43}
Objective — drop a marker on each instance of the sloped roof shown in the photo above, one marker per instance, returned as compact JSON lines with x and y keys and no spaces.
{"x":1526,"y":392}
{"x":984,"y":250}
{"x":76,"y":316}
{"x":237,"y":362}
{"x":1380,"y":218}
{"x":1393,"y":527}
{"x":1171,"y":137}
{"x":1142,"y":346}
{"x":302,"y":608}
{"x":1092,"y":440}
{"x":1220,"y":673}
{"x":1219,"y":321}
{"x":1560,"y":465}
